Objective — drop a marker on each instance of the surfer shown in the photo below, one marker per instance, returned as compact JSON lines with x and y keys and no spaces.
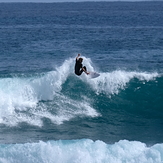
{"x":79,"y":67}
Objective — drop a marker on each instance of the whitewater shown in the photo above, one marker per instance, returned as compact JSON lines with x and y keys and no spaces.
{"x":79,"y":151}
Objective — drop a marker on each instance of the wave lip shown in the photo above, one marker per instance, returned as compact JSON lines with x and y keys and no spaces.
{"x":80,"y":151}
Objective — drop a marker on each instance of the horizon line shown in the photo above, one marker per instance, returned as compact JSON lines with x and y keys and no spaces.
{"x":84,"y":1}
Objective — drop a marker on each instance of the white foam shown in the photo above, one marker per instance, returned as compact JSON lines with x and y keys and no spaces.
{"x":79,"y":151}
{"x":113,"y":82}
{"x":65,"y":109}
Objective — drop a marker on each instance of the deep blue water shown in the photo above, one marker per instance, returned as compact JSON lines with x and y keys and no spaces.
{"x":48,"y":114}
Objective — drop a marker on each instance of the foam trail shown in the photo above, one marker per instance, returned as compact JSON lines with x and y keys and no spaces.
{"x":79,"y":151}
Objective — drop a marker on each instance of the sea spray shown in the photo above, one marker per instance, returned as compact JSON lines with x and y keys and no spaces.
{"x":112,"y":82}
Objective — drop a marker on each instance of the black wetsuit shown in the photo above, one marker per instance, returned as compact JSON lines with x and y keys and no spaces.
{"x":78,"y":68}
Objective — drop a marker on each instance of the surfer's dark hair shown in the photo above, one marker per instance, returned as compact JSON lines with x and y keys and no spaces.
{"x":80,"y":59}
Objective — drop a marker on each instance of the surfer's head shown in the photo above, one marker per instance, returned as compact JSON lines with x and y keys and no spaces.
{"x":81,"y":60}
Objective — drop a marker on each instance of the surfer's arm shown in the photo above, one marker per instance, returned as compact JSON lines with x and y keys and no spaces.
{"x":77,"y":56}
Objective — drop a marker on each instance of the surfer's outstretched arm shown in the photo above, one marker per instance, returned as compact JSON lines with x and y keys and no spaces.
{"x":77,"y":56}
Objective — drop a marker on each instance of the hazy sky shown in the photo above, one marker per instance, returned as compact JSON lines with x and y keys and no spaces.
{"x":65,"y":0}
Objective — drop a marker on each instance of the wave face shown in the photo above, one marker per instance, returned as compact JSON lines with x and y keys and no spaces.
{"x":79,"y":151}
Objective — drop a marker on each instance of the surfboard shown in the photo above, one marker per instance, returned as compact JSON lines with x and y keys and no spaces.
{"x":93,"y":74}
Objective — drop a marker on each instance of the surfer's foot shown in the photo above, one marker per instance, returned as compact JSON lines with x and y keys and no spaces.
{"x":87,"y":73}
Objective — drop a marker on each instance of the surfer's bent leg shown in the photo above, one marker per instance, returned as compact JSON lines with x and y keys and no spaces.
{"x":85,"y":68}
{"x":81,"y":71}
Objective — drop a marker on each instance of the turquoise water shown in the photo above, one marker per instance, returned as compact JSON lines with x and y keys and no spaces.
{"x":48,"y":114}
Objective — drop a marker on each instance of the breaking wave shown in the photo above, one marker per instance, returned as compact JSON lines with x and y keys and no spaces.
{"x":79,"y":151}
{"x":29,"y":99}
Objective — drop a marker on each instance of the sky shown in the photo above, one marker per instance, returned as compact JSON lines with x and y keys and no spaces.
{"x":47,"y":1}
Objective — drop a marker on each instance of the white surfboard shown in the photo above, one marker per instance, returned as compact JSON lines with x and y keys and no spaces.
{"x":93,"y":74}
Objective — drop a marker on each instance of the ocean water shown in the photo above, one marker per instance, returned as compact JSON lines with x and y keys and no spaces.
{"x":50,"y":115}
